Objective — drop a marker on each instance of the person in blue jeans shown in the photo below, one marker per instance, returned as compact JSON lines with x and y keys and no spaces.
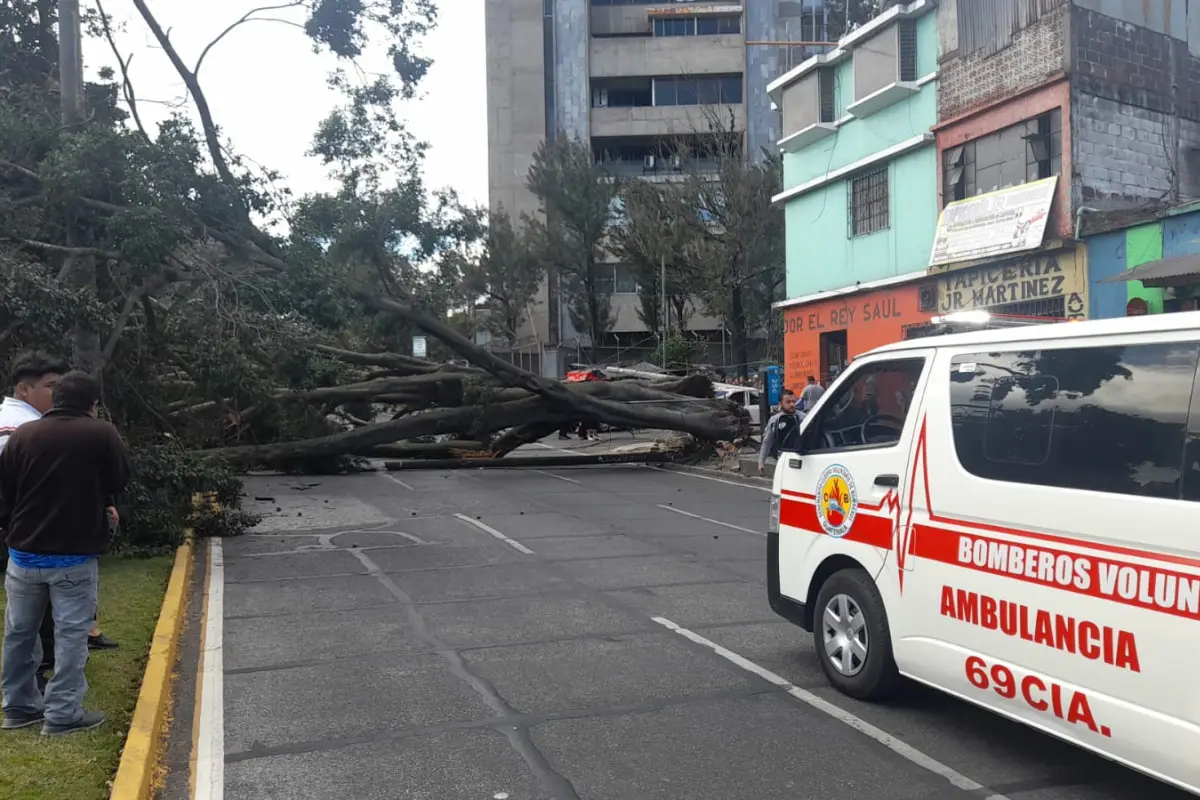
{"x":59,"y":478}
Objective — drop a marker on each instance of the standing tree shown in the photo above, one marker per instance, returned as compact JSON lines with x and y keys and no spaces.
{"x":846,"y":15}
{"x":506,"y":275}
{"x":739,"y":234}
{"x":576,"y":196}
{"x":655,"y":234}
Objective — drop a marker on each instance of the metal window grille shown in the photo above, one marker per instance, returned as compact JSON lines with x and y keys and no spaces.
{"x":868,"y":201}
{"x":1051,"y":307}
{"x":907,"y":31}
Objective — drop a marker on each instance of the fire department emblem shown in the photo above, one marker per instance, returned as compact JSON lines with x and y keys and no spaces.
{"x":837,"y":500}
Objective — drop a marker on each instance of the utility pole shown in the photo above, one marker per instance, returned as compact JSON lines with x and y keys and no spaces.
{"x":78,"y":269}
{"x":70,"y":62}
{"x":662,"y":293}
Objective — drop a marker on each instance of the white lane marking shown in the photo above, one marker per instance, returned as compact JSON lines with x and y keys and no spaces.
{"x":713,"y":521}
{"x":897,"y":746}
{"x":560,"y":477}
{"x":708,"y":478}
{"x":394,"y":479}
{"x":210,"y":740}
{"x":513,"y":543}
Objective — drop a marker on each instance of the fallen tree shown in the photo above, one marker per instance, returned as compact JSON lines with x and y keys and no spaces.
{"x":525,"y":413}
{"x":493,"y":406}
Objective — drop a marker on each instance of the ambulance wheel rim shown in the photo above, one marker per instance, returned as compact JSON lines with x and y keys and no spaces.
{"x":844,"y":632}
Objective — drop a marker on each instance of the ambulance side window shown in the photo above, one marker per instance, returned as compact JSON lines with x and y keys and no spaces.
{"x":1104,"y":419}
{"x":1191,"y":453}
{"x":867,"y":411}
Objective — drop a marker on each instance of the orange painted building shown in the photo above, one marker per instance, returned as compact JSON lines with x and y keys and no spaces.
{"x":821,"y":337}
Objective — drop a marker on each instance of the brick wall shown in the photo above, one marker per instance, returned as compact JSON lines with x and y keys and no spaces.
{"x":1129,"y":149}
{"x":1035,"y":54}
{"x":1133,"y":65}
{"x":1122,"y":152}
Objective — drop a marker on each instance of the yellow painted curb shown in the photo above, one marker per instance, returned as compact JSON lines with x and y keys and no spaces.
{"x":135,"y":774}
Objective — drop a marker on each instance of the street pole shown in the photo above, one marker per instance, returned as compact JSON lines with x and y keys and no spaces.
{"x":662,"y":291}
{"x":70,"y":63}
{"x":78,"y":268}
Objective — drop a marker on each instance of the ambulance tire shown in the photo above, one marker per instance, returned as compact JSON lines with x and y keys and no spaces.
{"x":878,"y":677}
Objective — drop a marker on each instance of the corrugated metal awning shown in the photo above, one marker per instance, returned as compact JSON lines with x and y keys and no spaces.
{"x":1161,"y":270}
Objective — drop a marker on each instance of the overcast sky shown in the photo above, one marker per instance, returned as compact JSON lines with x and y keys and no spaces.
{"x":267,"y":88}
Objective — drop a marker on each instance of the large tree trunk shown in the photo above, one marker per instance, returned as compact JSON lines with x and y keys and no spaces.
{"x":457,"y":448}
{"x":491,"y":396}
{"x":624,"y":403}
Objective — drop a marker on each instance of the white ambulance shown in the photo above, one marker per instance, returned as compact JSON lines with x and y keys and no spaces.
{"x":1011,"y":516}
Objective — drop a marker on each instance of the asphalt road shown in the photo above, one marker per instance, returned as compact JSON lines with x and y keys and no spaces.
{"x":504,"y":635}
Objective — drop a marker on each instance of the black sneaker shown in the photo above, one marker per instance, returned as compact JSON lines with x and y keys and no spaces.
{"x":101,"y":642}
{"x":89,"y":720}
{"x":14,"y":720}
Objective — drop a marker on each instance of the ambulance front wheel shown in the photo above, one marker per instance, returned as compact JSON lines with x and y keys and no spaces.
{"x":852,"y":636}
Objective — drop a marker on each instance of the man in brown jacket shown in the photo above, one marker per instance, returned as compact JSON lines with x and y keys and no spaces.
{"x":58,"y":477}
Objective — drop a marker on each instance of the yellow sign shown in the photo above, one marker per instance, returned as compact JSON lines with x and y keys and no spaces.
{"x":1040,"y":276}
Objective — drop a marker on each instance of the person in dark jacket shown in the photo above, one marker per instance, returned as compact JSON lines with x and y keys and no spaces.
{"x":59,"y":478}
{"x":34,"y":377}
{"x":781,"y":431}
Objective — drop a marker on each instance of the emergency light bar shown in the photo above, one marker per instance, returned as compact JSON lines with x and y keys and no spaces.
{"x":962,"y":321}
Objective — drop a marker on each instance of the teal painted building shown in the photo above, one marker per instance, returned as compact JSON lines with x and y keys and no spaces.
{"x":860,"y":162}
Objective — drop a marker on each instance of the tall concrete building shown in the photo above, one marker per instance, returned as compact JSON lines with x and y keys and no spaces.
{"x":630,"y":77}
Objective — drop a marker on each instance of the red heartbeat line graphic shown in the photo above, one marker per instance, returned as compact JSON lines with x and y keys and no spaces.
{"x":903,"y":534}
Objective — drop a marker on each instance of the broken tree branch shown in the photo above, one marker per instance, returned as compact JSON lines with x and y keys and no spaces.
{"x":561,"y":400}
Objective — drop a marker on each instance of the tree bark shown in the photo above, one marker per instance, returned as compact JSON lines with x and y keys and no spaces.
{"x":453,"y":449}
{"x":639,"y":406}
{"x":558,"y":398}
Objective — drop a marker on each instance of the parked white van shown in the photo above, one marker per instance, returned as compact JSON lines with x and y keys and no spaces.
{"x":1013,"y":517}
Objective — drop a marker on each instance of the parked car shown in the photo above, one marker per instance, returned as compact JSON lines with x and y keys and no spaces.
{"x":745,"y":396}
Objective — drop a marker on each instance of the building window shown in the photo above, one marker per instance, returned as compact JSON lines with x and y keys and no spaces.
{"x":906,"y":31}
{"x":868,"y":200}
{"x":675,"y":26}
{"x":697,"y":26}
{"x":1028,"y":151}
{"x":1043,"y":153}
{"x":1100,"y":419}
{"x":717,"y":26}
{"x":615,"y":279}
{"x":624,"y":280}
{"x":699,"y":90}
{"x":622,"y":92}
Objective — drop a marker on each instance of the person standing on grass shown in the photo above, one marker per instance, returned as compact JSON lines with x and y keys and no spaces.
{"x":59,"y":476}
{"x":34,"y":378}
